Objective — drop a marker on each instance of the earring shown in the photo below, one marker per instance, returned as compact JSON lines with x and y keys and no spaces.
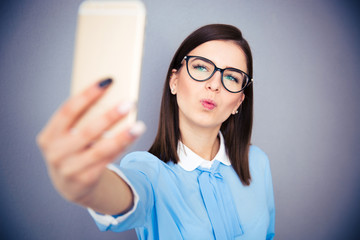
{"x":236,"y":112}
{"x":173,"y":91}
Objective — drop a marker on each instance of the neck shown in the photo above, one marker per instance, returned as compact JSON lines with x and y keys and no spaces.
{"x":203,"y":142}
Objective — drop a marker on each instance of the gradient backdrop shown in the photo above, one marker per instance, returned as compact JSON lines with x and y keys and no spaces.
{"x":306,"y":71}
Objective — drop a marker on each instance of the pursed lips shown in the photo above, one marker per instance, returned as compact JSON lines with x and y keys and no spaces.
{"x":208,"y":104}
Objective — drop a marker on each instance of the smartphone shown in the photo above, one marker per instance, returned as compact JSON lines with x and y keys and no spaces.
{"x":109,"y":44}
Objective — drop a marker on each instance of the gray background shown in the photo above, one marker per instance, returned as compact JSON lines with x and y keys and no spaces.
{"x":306,"y":68}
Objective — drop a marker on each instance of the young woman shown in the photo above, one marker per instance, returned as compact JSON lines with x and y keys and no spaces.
{"x":201,"y":178}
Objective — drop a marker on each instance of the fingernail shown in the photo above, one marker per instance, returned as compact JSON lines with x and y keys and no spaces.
{"x":125,"y":107}
{"x":137,"y":129}
{"x":105,"y":83}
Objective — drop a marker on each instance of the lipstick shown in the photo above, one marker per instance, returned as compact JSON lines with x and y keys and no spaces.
{"x":208,"y":104}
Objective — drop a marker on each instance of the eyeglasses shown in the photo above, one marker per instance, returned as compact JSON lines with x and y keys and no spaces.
{"x":202,"y":69}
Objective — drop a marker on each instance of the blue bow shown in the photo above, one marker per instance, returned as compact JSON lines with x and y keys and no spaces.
{"x":219,"y":203}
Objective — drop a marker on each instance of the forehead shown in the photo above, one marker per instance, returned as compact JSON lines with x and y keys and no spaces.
{"x":224,"y":53}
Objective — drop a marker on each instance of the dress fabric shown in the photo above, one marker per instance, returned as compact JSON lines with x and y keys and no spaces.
{"x":201,"y":201}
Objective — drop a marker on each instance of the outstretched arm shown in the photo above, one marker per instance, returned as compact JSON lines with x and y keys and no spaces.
{"x":77,"y":159}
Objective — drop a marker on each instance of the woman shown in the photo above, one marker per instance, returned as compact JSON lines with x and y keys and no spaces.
{"x":201,"y":178}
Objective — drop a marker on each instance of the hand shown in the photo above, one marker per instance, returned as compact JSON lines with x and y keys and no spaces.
{"x":77,"y":159}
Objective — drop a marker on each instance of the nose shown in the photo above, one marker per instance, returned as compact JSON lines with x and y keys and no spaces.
{"x":214,"y":83}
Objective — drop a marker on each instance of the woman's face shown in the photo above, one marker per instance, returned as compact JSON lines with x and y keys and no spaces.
{"x":208,"y":104}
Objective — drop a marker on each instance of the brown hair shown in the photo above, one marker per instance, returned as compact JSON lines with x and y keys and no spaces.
{"x":236,"y":129}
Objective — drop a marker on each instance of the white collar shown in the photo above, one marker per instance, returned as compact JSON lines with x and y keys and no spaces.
{"x":189,"y":160}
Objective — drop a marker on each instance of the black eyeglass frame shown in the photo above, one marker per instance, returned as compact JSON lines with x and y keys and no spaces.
{"x":248,"y":79}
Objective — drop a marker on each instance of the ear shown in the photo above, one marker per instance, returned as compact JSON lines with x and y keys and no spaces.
{"x":241,"y":99}
{"x":173,"y":81}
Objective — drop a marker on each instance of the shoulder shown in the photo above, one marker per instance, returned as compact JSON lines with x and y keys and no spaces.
{"x":139,"y":156}
{"x":145,"y":164}
{"x":143,"y":161}
{"x":258,"y":160}
{"x":256,"y":152}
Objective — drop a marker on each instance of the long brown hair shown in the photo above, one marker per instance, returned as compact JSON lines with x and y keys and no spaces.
{"x":236,"y":129}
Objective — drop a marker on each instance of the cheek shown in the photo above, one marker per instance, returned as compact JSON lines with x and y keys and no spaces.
{"x":186,"y":87}
{"x":184,"y":90}
{"x":233,"y":103}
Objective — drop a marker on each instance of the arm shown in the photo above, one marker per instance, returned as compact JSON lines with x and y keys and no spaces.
{"x":110,"y":196}
{"x":77,"y":159}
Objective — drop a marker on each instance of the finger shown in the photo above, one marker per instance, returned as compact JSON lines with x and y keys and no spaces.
{"x":103,"y":150}
{"x":74,"y":108}
{"x":96,"y":128}
{"x":88,"y":134}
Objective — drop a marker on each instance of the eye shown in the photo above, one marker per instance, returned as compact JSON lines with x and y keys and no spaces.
{"x":231,"y":78}
{"x":200,"y":68}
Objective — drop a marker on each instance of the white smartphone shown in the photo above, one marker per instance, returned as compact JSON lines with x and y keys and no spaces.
{"x":109,"y":44}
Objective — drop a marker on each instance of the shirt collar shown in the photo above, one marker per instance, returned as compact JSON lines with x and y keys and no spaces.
{"x":189,"y":160}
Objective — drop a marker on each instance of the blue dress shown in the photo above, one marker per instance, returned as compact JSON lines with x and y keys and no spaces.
{"x":195,"y":199}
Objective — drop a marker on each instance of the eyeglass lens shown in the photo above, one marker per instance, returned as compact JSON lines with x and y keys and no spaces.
{"x":202,"y":69}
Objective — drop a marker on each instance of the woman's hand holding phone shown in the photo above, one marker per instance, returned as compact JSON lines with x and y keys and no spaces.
{"x":77,"y":157}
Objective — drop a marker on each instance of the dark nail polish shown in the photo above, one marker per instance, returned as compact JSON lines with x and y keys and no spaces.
{"x":105,"y":83}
